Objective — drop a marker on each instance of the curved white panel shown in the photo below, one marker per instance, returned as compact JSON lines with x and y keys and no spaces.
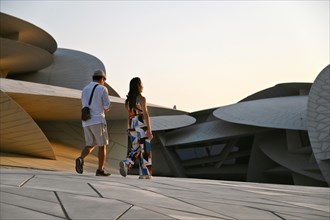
{"x":284,"y":112}
{"x":18,"y":57}
{"x":44,"y":102}
{"x":275,"y":148}
{"x":170,"y":122}
{"x":319,"y":120}
{"x":19,"y":133}
{"x":23,"y":31}
{"x":70,"y":69}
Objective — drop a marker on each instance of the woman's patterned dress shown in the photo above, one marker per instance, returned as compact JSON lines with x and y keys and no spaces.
{"x":140,"y":144}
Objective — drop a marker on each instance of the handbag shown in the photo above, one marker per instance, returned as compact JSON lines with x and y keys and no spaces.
{"x":85,"y":111}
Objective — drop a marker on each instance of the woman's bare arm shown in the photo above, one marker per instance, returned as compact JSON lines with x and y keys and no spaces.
{"x":146,"y":116}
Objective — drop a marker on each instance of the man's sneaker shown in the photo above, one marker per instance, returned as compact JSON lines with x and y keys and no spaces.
{"x":123,"y":168}
{"x":102,"y":173}
{"x":79,"y":165}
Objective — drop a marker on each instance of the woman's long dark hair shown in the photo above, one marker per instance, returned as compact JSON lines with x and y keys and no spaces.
{"x":133,"y":92}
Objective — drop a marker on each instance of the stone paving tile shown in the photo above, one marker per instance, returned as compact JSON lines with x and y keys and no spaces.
{"x":20,"y":199}
{"x":152,"y":200}
{"x":136,"y":212}
{"x":69,"y":185}
{"x":35,"y":194}
{"x":18,"y":213}
{"x":87,"y":207}
{"x":14,"y":179}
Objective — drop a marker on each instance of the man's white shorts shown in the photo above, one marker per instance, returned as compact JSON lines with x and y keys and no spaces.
{"x":96,"y":135}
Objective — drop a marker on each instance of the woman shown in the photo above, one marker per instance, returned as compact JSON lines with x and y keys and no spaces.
{"x":139,"y":131}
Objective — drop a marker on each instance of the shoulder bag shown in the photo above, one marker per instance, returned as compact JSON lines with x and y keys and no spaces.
{"x":85,"y":111}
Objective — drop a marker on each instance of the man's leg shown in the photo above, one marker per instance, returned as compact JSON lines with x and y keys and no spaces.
{"x":80,"y":160}
{"x":102,"y":157}
{"x":87,"y":150}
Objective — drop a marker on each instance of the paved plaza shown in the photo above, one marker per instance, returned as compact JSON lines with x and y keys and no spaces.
{"x":37,"y":194}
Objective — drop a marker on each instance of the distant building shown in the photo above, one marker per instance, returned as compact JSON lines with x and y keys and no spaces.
{"x":278,"y":135}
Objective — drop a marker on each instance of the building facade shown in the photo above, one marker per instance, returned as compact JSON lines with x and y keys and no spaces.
{"x":278,"y":135}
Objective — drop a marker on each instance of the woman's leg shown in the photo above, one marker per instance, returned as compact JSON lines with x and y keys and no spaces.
{"x":145,"y":158}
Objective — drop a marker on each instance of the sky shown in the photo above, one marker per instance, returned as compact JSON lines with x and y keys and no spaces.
{"x":193,"y":54}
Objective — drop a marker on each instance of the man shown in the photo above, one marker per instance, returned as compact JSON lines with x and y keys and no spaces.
{"x":95,"y":128}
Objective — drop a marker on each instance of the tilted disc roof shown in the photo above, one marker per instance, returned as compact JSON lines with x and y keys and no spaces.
{"x":23,"y":31}
{"x":45,"y":102}
{"x":283,"y":112}
{"x":20,"y":133}
{"x":319,"y":121}
{"x":24,"y":46}
{"x":171,"y":122}
{"x":71,"y":69}
{"x":19,"y":57}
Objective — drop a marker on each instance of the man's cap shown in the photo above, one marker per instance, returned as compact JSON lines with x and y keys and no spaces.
{"x":99,"y":73}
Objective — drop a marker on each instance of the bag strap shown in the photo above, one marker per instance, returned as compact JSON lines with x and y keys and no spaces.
{"x":90,"y":98}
